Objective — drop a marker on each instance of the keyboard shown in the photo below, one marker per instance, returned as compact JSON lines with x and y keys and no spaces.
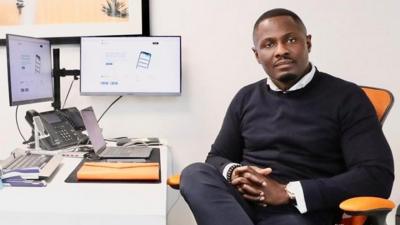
{"x":29,"y":160}
{"x":131,"y":151}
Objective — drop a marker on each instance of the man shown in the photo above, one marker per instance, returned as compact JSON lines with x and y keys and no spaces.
{"x":291,"y":146}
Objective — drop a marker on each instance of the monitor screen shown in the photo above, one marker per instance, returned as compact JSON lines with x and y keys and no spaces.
{"x":29,"y":70}
{"x":131,"y":65}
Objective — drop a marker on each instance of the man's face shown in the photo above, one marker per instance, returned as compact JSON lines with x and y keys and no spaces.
{"x":281,"y":46}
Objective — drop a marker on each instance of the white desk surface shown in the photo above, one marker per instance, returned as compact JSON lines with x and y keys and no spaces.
{"x":63,"y":203}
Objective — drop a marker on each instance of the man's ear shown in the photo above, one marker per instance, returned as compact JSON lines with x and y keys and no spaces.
{"x":309,"y":43}
{"x":255,"y":54}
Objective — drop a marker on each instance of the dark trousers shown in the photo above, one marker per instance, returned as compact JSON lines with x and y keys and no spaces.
{"x":214,"y":201}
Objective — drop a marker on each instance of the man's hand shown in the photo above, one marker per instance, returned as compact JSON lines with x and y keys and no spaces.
{"x":255,"y":185}
{"x":251,"y":172}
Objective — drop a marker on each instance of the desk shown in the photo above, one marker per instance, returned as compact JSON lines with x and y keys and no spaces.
{"x":63,"y":203}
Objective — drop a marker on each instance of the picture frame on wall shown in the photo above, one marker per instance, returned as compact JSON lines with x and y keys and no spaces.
{"x":65,"y":21}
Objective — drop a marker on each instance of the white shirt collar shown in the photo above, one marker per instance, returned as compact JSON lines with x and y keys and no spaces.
{"x":300,"y":84}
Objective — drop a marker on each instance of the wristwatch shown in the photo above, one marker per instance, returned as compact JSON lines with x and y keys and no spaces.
{"x":292,"y":196}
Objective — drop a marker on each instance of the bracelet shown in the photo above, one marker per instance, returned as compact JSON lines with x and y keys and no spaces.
{"x":230,"y":172}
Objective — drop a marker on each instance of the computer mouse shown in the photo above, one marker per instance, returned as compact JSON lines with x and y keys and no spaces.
{"x":123,"y":141}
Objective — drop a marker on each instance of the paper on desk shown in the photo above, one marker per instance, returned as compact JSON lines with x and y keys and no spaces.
{"x":20,"y":182}
{"x":25,"y":173}
{"x":21,"y":178}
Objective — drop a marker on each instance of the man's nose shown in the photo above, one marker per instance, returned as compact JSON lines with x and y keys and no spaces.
{"x":281,"y":50}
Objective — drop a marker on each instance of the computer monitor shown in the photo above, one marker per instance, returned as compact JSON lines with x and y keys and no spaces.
{"x":133,"y":65}
{"x":29,"y":70}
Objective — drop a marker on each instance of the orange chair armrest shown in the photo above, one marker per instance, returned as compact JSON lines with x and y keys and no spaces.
{"x":174,"y":181}
{"x":366,"y":204}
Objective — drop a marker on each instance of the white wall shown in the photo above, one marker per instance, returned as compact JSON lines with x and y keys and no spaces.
{"x":356,"y":40}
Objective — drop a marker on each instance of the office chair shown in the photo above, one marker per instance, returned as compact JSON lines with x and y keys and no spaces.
{"x":363,"y":210}
{"x":371,"y":210}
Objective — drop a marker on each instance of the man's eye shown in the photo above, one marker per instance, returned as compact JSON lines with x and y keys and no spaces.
{"x":292,"y":40}
{"x":269,"y":45}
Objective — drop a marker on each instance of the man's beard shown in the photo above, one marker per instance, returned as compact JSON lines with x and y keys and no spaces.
{"x":288,"y":78}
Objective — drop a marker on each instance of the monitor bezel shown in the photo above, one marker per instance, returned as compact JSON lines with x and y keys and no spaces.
{"x":136,"y":93}
{"x":24,"y":102}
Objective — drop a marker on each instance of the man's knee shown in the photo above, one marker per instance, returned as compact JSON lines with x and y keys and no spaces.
{"x":196,"y":175}
{"x":196,"y":172}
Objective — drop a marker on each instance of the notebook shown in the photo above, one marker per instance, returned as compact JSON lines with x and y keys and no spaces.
{"x":119,"y":171}
{"x":99,"y":144}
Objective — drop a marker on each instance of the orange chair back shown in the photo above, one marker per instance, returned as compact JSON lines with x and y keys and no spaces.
{"x":381,"y":99}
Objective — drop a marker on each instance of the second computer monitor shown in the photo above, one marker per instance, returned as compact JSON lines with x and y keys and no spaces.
{"x":131,"y":65}
{"x":29,"y":70}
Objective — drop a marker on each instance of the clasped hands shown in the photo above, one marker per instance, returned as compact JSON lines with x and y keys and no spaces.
{"x":256,"y":185}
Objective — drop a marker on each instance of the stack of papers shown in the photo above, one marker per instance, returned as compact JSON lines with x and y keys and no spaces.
{"x":22,"y":177}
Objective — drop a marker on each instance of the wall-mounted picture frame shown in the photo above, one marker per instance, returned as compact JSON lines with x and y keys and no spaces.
{"x":65,"y":21}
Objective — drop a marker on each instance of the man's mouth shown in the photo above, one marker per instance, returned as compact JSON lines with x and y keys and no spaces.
{"x":283,"y":62}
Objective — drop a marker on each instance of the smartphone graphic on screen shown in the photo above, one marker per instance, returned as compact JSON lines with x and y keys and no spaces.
{"x":143,"y":60}
{"x":37,"y":63}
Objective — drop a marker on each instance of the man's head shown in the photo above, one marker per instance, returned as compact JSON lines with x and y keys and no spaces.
{"x":281,"y":46}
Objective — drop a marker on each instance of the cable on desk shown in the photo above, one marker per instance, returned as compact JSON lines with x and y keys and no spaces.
{"x":119,"y":97}
{"x":16,"y":121}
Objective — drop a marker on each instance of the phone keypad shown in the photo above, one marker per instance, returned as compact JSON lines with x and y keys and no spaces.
{"x":65,"y":135}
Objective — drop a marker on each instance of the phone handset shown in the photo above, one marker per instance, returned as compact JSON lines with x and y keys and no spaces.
{"x":73,"y":116}
{"x":29,"y":117}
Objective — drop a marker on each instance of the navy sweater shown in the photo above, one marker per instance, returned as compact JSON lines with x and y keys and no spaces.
{"x":325,"y":135}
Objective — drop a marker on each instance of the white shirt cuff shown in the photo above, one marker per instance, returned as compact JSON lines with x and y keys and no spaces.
{"x":226,"y":168}
{"x":296,"y":188}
